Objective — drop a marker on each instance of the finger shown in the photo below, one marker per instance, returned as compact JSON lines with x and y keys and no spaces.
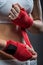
{"x":14,"y":11}
{"x":12,"y":15}
{"x":31,"y":50}
{"x":28,"y":48}
{"x":16,"y":7}
{"x":34,"y":57}
{"x":17,"y":4}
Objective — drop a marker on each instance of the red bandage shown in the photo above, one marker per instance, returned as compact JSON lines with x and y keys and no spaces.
{"x":23,"y":19}
{"x":26,"y":38}
{"x":21,"y":53}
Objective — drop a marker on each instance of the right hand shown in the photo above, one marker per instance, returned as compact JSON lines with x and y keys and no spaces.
{"x":34,"y":54}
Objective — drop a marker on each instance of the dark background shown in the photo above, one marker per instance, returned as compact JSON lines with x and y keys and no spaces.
{"x":37,"y":42}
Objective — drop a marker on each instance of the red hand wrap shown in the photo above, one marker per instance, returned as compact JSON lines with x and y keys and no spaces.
{"x":26,"y":38}
{"x":23,"y":19}
{"x":22,"y":53}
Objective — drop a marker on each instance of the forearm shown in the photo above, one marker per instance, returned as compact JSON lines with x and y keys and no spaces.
{"x":38,"y":24}
{"x":37,"y":11}
{"x":5,"y":56}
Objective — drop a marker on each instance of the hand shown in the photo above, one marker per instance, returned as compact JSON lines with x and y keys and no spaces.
{"x":14,"y":11}
{"x":34,"y":54}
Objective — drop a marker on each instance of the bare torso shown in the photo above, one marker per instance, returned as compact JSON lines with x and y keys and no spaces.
{"x":8,"y":31}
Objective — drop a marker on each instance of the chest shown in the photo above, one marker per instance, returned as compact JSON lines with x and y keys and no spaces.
{"x":5,"y":5}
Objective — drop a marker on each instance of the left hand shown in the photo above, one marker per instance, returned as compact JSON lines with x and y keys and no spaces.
{"x":15,"y":10}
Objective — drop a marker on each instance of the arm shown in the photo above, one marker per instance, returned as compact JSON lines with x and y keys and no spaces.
{"x":37,"y":16}
{"x":38,"y":24}
{"x":5,"y":56}
{"x":37,"y":10}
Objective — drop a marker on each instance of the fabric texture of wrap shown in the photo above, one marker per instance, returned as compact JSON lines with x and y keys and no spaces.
{"x":18,"y":50}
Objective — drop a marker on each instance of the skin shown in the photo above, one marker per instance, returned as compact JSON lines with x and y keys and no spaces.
{"x":37,"y":16}
{"x":14,"y":11}
{"x":38,"y":24}
{"x":37,"y":10}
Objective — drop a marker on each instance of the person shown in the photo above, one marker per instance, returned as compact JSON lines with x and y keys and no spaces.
{"x":8,"y":28}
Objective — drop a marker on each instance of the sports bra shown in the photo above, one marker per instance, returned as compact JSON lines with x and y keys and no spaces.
{"x":5,"y":7}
